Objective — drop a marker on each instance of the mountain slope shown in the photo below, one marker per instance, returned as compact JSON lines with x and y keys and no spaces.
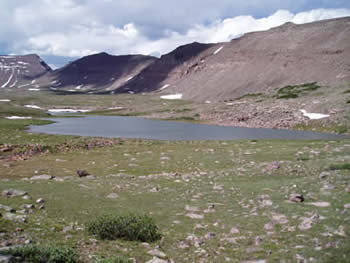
{"x":21,"y":71}
{"x":97,"y":73}
{"x":263,"y":61}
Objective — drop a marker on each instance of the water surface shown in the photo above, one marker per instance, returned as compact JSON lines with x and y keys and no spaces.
{"x":132,"y":127}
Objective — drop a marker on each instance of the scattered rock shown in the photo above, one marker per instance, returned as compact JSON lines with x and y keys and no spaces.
{"x":297,"y":198}
{"x":28,"y":206}
{"x":112,"y":196}
{"x":234,"y":230}
{"x":320,"y":204}
{"x":82,"y":173}
{"x":191,"y":208}
{"x":195,"y":241}
{"x":269,"y":226}
{"x":328,"y":186}
{"x":195,"y":216}
{"x":7,"y":208}
{"x":42,"y":177}
{"x":155,"y":189}
{"x":308,"y":222}
{"x":324,"y":175}
{"x":40,"y":201}
{"x":13,"y":193}
{"x":157,"y":253}
{"x":15,"y":218}
{"x":273,"y":166}
{"x":158,"y":260}
{"x":210,"y":235}
{"x":280,"y":219}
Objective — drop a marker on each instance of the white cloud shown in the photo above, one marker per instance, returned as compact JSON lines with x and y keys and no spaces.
{"x":84,"y":39}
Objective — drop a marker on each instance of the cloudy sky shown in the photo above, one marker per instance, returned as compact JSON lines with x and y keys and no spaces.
{"x":63,"y":30}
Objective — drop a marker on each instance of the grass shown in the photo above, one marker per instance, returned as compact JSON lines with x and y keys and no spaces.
{"x":48,"y":254}
{"x":294,"y":91}
{"x":131,"y":227}
{"x":343,"y":166}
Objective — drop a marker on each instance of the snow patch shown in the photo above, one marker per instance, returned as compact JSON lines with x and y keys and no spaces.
{"x":8,"y":81}
{"x":32,"y":106}
{"x":5,"y":100}
{"x":79,"y":87}
{"x":67,"y":110}
{"x":116,"y":108}
{"x":32,"y":89}
{"x":164,"y":87}
{"x":172,"y":97}
{"x":33,"y":81}
{"x":218,"y":50}
{"x":129,"y":78}
{"x":17,"y":118}
{"x":314,"y":116}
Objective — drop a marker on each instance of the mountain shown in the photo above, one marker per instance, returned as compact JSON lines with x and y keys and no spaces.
{"x":98,"y":73}
{"x":257,"y":62}
{"x":21,"y":71}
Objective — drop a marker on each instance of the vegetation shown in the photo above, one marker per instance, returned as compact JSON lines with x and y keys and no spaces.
{"x":130,"y":226}
{"x":343,"y":166}
{"x":115,"y":259}
{"x":49,"y":254}
{"x":294,"y":91}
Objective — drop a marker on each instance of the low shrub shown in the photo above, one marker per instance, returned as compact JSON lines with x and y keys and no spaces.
{"x":343,"y":166}
{"x":130,"y":227}
{"x":293,"y":91}
{"x":50,"y":254}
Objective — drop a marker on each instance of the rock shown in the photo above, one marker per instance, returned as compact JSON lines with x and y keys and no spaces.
{"x":41,"y":207}
{"x":258,"y":241}
{"x":191,"y":208}
{"x":40,"y":201}
{"x":308,"y":222}
{"x":195,"y":241}
{"x":347,"y":189}
{"x":195,"y":216}
{"x":234,"y":230}
{"x":13,"y":193}
{"x":7,"y":259}
{"x":280,"y":219}
{"x":157,"y":253}
{"x":28,"y":206}
{"x":15,"y":218}
{"x":255,"y":261}
{"x":42,"y":177}
{"x":347,"y":206}
{"x":231,"y":240}
{"x":328,"y":186}
{"x":324,"y":175}
{"x":7,"y":208}
{"x":82,"y":173}
{"x":297,"y":198}
{"x":26,"y":197}
{"x":269,"y":226}
{"x":274,"y":166}
{"x":112,"y":196}
{"x":320,"y":204}
{"x":158,"y":260}
{"x":155,"y":190}
{"x":210,"y":235}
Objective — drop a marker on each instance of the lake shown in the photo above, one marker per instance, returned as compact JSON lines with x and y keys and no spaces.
{"x":132,"y":127}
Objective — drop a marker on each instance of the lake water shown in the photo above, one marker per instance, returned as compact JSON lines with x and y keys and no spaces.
{"x":132,"y":127}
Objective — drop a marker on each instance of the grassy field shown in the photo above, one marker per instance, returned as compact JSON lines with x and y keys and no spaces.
{"x":213,"y":201}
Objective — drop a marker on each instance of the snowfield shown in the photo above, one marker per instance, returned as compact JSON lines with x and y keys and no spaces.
{"x":17,"y":118}
{"x":172,"y":97}
{"x":314,"y":116}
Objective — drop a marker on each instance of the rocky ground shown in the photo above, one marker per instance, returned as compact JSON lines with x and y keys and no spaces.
{"x":235,"y":201}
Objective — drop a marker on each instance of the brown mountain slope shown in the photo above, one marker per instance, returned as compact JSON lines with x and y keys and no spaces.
{"x":21,"y":71}
{"x":97,"y":73}
{"x":257,"y":62}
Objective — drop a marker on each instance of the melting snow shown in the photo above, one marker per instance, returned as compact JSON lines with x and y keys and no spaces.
{"x":172,"y":97}
{"x":8,"y":81}
{"x":164,"y":87}
{"x":32,"y":89}
{"x":67,"y":110}
{"x":5,"y":100}
{"x":129,"y":78}
{"x":32,"y":106}
{"x":314,"y":116}
{"x":218,"y":50}
{"x":17,"y":118}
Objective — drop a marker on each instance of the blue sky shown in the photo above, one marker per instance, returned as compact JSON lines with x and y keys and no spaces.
{"x":61,"y":31}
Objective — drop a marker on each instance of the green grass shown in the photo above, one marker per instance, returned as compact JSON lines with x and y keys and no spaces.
{"x":343,"y":166}
{"x":131,"y":227}
{"x":294,"y":91}
{"x":48,"y":254}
